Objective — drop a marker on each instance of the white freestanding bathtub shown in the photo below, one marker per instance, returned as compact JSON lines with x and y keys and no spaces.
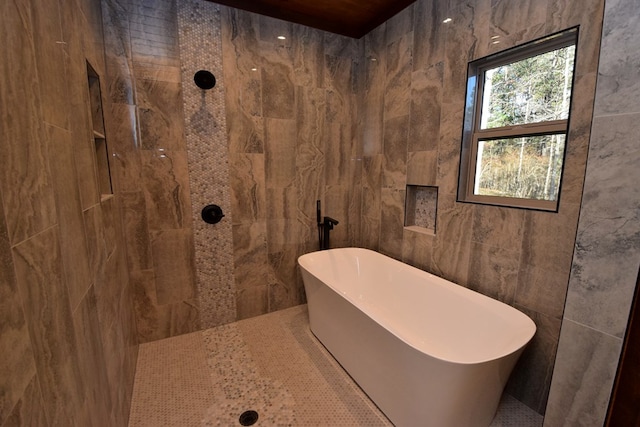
{"x":428,"y":352}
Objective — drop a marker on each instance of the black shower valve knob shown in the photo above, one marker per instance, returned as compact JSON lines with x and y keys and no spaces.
{"x":212,"y":214}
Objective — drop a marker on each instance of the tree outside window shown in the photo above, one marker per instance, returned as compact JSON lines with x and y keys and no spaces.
{"x":516,"y":124}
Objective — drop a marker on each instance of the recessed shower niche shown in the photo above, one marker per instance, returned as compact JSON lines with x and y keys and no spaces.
{"x":420,"y":208}
{"x":99,"y":138}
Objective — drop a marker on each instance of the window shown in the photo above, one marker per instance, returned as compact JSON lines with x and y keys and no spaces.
{"x":516,"y":124}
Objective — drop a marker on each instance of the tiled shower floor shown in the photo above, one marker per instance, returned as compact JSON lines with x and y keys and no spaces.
{"x":271,"y":364}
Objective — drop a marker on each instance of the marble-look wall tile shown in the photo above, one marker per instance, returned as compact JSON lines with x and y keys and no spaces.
{"x":270,"y":29}
{"x":51,"y":160}
{"x":449,"y":147}
{"x":391,"y":222}
{"x":395,"y":152}
{"x":543,"y":289}
{"x":517,"y":22}
{"x":588,"y":362}
{"x":426,"y":101}
{"x":91,"y":358}
{"x":452,"y":247}
{"x":608,"y":241}
{"x":154,"y":32}
{"x":281,"y":232}
{"x":252,"y":301}
{"x":123,"y":142}
{"x":398,"y":82}
{"x":372,"y":100}
{"x":160,"y":114}
{"x":96,"y":243}
{"x":605,"y":259}
{"x":46,"y":304}
{"x":618,"y":83}
{"x":156,"y":321}
{"x":111,"y":220}
{"x":250,"y":254}
{"x":310,"y":152}
{"x":548,"y":238}
{"x":574,"y":169}
{"x":134,"y":216}
{"x":338,"y":75}
{"x":77,"y":95}
{"x":29,"y":410}
{"x":166,"y":187}
{"x":417,"y":249}
{"x":428,"y":36}
{"x":371,"y":185}
{"x":243,"y":87}
{"x":563,"y":14}
{"x":369,"y":232}
{"x":25,"y":176}
{"x":399,"y":24}
{"x":18,"y":367}
{"x":113,"y":342}
{"x":282,"y":203}
{"x":248,"y":187}
{"x":493,"y":271}
{"x":509,"y":236}
{"x":500,"y":251}
{"x":531,"y":378}
{"x":119,"y":62}
{"x":50,"y":62}
{"x":145,"y":305}
{"x":287,"y":288}
{"x":339,"y":138}
{"x":72,"y":229}
{"x":278,"y":94}
{"x":107,"y":290}
{"x":173,"y":263}
{"x":339,"y":45}
{"x":307,"y":54}
{"x":280,"y":154}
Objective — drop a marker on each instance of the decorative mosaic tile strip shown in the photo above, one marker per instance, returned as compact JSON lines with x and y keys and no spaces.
{"x":234,"y":372}
{"x":205,"y":131}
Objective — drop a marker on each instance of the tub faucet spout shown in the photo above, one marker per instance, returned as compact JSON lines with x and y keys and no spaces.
{"x":327,"y":226}
{"x":324,"y":227}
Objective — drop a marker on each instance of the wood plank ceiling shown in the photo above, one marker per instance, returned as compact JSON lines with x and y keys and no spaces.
{"x":352,"y":18}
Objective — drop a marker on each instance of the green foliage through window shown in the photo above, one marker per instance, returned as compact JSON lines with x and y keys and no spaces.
{"x":532,"y":90}
{"x":523,"y":167}
{"x":516,"y":124}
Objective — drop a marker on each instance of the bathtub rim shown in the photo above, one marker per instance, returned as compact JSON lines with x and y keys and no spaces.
{"x":523,"y":340}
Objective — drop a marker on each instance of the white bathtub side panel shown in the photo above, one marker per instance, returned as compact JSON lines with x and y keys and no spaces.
{"x":431,"y":314}
{"x":411,"y":388}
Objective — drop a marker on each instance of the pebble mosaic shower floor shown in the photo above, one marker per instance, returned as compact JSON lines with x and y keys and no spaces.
{"x":271,"y":364}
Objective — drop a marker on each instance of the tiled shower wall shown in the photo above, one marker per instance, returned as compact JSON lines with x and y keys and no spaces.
{"x":607,"y":255}
{"x":151,"y":164}
{"x":350,"y":122}
{"x":283,"y":136}
{"x":206,"y":136}
{"x":415,"y":71}
{"x":291,"y":109}
{"x":67,"y":331}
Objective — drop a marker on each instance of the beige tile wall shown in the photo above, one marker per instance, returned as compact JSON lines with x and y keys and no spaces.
{"x":414,"y":100}
{"x":350,"y":122}
{"x":67,"y":335}
{"x":151,"y":164}
{"x":290,"y":112}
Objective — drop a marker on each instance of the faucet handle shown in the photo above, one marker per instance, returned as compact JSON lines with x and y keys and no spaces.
{"x":328,"y":220}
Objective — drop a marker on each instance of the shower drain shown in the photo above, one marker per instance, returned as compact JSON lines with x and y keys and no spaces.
{"x":248,"y":418}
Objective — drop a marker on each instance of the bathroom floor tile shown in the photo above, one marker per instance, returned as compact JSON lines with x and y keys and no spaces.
{"x":271,"y":364}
